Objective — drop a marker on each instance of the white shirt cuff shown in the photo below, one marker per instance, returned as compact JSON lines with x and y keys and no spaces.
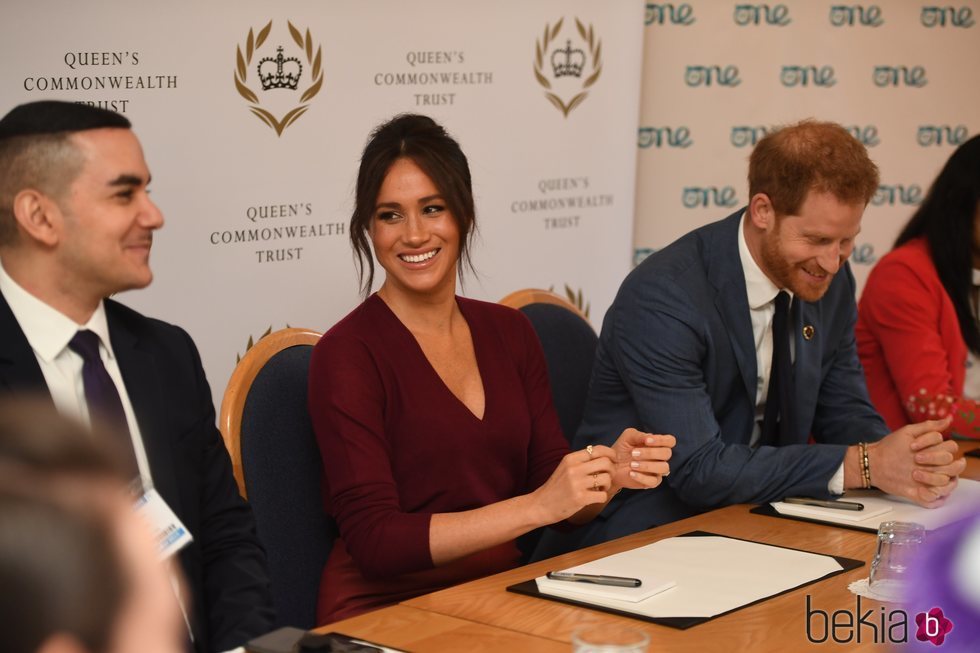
{"x":836,"y":484}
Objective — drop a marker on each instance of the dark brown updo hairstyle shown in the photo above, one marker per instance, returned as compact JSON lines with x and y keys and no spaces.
{"x":427,"y":144}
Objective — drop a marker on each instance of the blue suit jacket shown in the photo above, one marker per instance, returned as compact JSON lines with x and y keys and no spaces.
{"x":225,"y":565}
{"x":676,"y":355}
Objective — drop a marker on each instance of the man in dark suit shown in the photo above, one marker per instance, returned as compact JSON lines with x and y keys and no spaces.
{"x":76,"y":226}
{"x":689,"y":348}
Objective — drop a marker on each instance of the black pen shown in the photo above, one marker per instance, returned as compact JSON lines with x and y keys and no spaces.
{"x":820,"y":503}
{"x":612,"y":581}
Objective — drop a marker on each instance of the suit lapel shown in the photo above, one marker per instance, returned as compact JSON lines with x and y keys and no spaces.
{"x":19,"y":370}
{"x":147,"y":392}
{"x":725,"y":273}
{"x":143,"y":385}
{"x":806,"y":367}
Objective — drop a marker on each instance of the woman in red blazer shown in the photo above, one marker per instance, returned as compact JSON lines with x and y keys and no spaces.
{"x":917,"y":319}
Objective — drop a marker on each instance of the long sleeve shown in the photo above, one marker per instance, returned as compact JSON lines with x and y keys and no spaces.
{"x":236,"y":580}
{"x":660,"y":347}
{"x":844,"y":413}
{"x":225,"y":565}
{"x":398,"y":446}
{"x":912,"y":343}
{"x":347,"y":408}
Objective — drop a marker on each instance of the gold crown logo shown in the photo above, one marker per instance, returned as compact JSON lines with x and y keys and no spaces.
{"x":567,"y":62}
{"x":278,"y":72}
{"x":280,"y":78}
{"x":571,"y":64}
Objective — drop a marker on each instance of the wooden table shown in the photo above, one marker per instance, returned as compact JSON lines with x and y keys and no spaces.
{"x":482,"y":615}
{"x":411,"y":629}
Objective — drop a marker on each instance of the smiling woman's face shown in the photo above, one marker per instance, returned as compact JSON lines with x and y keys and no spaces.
{"x":414,"y":235}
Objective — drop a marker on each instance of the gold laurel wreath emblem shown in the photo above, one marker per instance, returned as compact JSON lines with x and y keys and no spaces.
{"x":541,"y":48}
{"x":253,"y":43}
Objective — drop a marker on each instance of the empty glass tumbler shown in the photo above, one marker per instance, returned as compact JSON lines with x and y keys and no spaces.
{"x":898,"y":544}
{"x":609,"y":638}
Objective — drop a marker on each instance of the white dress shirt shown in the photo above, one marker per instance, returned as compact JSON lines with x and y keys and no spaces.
{"x":761,"y":293}
{"x":49,"y":331}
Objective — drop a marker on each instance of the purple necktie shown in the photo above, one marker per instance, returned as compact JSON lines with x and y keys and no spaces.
{"x":101,"y":394}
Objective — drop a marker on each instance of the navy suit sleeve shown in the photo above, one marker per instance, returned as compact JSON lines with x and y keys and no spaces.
{"x":238,"y":603}
{"x":664,"y":349}
{"x":844,"y":413}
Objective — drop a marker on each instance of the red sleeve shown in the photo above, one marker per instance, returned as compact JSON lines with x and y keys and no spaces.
{"x":547,"y":444}
{"x":902,"y":312}
{"x":347,"y":408}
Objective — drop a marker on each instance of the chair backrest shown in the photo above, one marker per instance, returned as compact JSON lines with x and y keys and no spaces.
{"x":277,"y":465}
{"x":569,"y":345}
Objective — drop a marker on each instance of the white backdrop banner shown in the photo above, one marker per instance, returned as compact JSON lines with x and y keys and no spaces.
{"x":253,"y":114}
{"x":902,"y":76}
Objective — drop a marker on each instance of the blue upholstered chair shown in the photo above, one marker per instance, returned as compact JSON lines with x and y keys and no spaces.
{"x":277,"y":465}
{"x":569,"y":345}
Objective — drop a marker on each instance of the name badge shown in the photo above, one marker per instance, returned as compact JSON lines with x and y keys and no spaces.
{"x":170,"y":532}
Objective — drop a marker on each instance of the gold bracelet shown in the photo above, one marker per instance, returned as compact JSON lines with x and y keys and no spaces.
{"x":865,"y":466}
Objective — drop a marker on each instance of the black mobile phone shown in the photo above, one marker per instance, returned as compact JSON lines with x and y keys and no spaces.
{"x":334,"y":643}
{"x":281,"y":640}
{"x":296,"y":640}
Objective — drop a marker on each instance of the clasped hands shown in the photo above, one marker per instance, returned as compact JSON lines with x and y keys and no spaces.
{"x":595,"y":474}
{"x":916,"y":463}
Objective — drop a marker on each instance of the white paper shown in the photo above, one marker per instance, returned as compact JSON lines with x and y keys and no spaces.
{"x":713,"y":575}
{"x":963,"y":501}
{"x":614,"y":565}
{"x":873,"y":509}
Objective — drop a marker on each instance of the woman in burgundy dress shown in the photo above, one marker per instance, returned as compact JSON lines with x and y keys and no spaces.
{"x":433,"y":412}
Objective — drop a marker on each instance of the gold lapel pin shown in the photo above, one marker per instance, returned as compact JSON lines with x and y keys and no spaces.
{"x":808,"y":332}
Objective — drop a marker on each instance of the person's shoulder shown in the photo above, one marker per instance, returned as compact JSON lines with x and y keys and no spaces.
{"x":360,"y":336}
{"x":689,"y":254}
{"x":359,"y":321}
{"x":498,"y":317}
{"x":509,"y":328}
{"x":912,"y":253}
{"x":680,"y":270}
{"x":910,"y":262}
{"x":132,"y":321}
{"x":488,"y":310}
{"x":174,"y":352}
{"x":510,"y":324}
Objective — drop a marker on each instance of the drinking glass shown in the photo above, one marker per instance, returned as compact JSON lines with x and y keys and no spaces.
{"x":609,"y":638}
{"x":898,"y":543}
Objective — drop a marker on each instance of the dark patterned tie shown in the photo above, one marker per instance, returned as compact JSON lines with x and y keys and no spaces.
{"x":779,"y":398}
{"x":101,"y":393}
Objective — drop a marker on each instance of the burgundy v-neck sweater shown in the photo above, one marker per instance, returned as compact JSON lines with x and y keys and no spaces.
{"x":398,"y":446}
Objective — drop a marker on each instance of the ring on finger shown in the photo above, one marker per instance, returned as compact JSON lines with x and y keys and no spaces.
{"x":595,"y":482}
{"x":588,"y":450}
